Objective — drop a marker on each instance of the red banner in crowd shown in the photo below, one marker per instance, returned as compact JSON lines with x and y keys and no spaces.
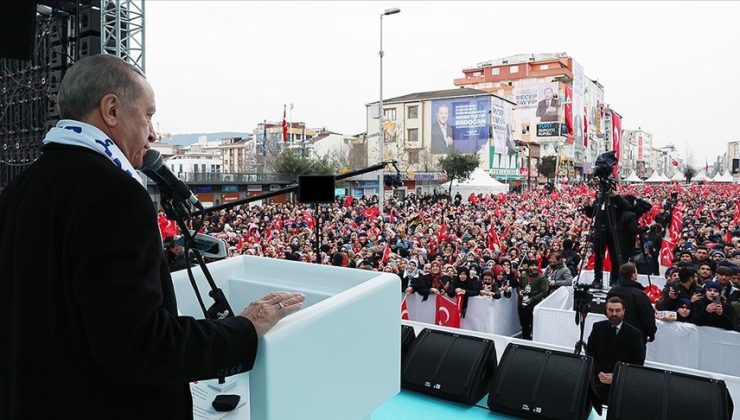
{"x":616,"y":137}
{"x":448,"y":311}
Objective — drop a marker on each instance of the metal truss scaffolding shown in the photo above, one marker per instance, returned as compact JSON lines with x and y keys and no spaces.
{"x":122,"y":27}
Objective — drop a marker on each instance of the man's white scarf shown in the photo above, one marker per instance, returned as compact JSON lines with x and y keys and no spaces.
{"x":77,"y":133}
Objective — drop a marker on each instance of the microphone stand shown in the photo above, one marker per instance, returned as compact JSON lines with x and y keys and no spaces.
{"x":179,"y":212}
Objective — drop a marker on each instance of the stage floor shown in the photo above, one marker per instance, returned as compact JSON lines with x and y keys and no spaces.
{"x":409,"y":405}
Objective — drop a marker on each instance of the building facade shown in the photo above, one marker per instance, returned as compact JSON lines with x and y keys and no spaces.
{"x":733,"y":158}
{"x":636,"y":146}
{"x":420,"y":128}
{"x":555,"y":104}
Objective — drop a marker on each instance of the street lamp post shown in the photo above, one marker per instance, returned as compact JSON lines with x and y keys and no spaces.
{"x":381,"y":129}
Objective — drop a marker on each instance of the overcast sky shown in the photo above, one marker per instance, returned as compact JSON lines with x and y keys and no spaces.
{"x":668,"y":67}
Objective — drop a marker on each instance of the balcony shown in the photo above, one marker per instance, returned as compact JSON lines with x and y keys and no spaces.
{"x":200,"y":178}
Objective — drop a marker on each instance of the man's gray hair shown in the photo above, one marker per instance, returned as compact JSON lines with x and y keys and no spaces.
{"x":90,"y":79}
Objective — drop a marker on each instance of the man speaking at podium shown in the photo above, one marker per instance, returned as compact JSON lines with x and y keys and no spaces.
{"x":90,"y":326}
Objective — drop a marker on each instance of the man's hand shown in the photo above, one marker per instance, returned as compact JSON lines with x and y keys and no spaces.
{"x":606,"y":378}
{"x":409,"y":290}
{"x":695,"y":297}
{"x":267,"y":311}
{"x":551,"y":283}
{"x":449,"y":141}
{"x":435,"y":291}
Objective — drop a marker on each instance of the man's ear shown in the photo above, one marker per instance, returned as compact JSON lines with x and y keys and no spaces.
{"x":110,"y":109}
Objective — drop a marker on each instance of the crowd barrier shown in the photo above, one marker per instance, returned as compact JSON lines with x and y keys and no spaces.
{"x":588,"y":277}
{"x":676,"y":343}
{"x":494,"y":316}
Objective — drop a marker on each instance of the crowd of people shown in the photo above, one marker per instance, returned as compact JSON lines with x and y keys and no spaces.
{"x":527,"y":243}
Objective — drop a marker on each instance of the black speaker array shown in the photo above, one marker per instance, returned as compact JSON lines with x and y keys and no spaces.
{"x":448,"y":365}
{"x":531,"y":382}
{"x":639,"y":393}
{"x":407,"y":338}
{"x":29,"y":87}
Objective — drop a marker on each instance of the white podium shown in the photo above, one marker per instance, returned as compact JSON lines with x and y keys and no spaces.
{"x":337,"y":358}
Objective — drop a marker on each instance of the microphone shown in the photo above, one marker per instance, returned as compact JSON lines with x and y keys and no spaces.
{"x":155,"y":169}
{"x":208,"y":246}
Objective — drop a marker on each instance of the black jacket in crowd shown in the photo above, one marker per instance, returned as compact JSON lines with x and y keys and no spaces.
{"x":700,"y":316}
{"x":607,"y":350}
{"x":90,"y":326}
{"x":638,"y":311}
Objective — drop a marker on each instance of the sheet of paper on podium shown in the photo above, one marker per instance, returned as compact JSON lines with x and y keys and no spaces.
{"x":203,"y":396}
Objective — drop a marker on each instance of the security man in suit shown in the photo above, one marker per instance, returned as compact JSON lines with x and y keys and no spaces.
{"x":613,"y":341}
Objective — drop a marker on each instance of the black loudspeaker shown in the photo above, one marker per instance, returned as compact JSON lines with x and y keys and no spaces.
{"x":535,"y":383}
{"x":638,"y":393}
{"x":449,"y":365}
{"x":90,"y":22}
{"x":89,"y":45}
{"x":407,"y":337}
{"x":17,"y":28}
{"x":316,"y":188}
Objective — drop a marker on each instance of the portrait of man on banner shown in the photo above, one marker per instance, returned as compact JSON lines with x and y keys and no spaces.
{"x":461,"y":125}
{"x":442,"y":132}
{"x":549,"y":107}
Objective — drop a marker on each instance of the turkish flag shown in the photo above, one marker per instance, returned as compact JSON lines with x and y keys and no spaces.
{"x":448,"y":311}
{"x":569,"y":109}
{"x":616,"y":138}
{"x":666,"y":253}
{"x":736,"y":219}
{"x":404,"y":309}
{"x":674,"y":162}
{"x":442,"y":235}
{"x":285,"y":127}
{"x":386,"y":253}
{"x":493,"y":241}
{"x":371,"y":212}
{"x":167,"y":227}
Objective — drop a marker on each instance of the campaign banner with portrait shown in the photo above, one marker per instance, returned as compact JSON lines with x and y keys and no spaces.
{"x":538,"y":102}
{"x":462,"y":125}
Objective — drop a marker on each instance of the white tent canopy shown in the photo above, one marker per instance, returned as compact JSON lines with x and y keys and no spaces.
{"x":701,"y":176}
{"x":655,"y":178}
{"x":663,"y":178}
{"x":632,"y":177}
{"x":678,"y":177}
{"x":726,"y":177}
{"x":478,"y":183}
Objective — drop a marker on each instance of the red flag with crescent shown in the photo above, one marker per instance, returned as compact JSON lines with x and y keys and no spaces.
{"x":404,"y":309}
{"x":448,"y":311}
{"x":666,"y":253}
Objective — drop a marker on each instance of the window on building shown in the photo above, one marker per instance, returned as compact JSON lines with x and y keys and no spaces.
{"x":203,"y":167}
{"x":513,"y":69}
{"x":495,"y":71}
{"x":544,"y":67}
{"x":525,"y":128}
{"x":181,"y":168}
{"x":413,"y":135}
{"x":413,"y":157}
{"x":195,"y":168}
{"x":413,"y":112}
{"x":389,"y":114}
